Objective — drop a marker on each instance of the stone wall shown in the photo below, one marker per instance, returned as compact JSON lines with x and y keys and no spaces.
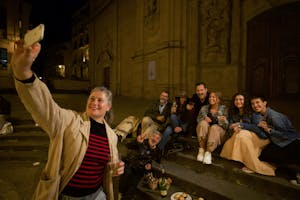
{"x":151,"y":45}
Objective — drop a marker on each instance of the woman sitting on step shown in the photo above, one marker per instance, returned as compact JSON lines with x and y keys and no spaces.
{"x":245,"y":145}
{"x":211,"y":128}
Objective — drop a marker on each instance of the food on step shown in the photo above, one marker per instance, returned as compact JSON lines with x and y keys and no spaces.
{"x":181,"y":196}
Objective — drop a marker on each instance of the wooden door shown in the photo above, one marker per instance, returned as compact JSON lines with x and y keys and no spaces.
{"x":273,"y":52}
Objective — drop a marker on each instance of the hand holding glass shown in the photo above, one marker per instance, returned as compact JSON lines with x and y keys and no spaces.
{"x":116,"y":166}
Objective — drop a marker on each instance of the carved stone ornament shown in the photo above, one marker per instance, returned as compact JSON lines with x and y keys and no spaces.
{"x":215,"y":20}
{"x":151,"y":17}
{"x":105,"y":56}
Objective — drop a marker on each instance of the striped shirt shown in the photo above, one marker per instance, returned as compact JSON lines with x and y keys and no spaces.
{"x":89,"y":176}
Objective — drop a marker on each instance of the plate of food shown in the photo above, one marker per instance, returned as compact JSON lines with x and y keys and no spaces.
{"x":181,"y":196}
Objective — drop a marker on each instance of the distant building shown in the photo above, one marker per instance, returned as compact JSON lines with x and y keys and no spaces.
{"x":80,"y":43}
{"x":138,"y":48}
{"x":14,"y":22}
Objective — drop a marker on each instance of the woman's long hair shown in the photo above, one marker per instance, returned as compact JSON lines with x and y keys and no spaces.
{"x":109,"y":114}
{"x":233,"y":110}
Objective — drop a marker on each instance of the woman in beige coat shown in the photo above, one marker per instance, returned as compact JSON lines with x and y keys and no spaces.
{"x":78,"y":141}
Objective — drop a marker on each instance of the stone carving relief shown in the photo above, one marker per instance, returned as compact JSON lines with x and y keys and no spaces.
{"x":151,"y":18}
{"x":105,"y":55}
{"x":215,"y":22}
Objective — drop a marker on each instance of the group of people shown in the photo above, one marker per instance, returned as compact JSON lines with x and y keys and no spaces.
{"x":83,"y":155}
{"x":247,"y":130}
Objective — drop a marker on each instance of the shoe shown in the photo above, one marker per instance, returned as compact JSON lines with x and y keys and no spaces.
{"x":200,"y":155}
{"x":294,"y":182}
{"x":297,"y":180}
{"x":247,"y":170}
{"x":207,"y":158}
{"x":298,"y":177}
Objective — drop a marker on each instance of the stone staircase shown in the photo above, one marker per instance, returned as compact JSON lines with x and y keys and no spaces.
{"x":23,"y":155}
{"x":221,"y":180}
{"x":28,"y":142}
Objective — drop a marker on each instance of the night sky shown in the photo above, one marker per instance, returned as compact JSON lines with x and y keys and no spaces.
{"x":56,"y":15}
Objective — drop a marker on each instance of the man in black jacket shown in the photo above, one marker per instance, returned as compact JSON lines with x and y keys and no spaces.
{"x":138,"y":162}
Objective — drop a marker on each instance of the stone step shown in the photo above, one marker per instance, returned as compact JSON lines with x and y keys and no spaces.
{"x":25,"y":140}
{"x":205,"y":185}
{"x":21,"y":155}
{"x":278,"y":186}
{"x":16,"y":145}
{"x":224,"y":177}
{"x":30,"y":132}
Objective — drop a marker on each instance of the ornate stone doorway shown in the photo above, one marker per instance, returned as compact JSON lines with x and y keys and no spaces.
{"x":273,"y":52}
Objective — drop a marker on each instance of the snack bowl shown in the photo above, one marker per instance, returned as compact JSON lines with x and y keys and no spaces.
{"x":181,"y":196}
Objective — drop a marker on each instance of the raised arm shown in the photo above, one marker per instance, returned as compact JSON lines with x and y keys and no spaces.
{"x":34,"y":94}
{"x":22,"y":60}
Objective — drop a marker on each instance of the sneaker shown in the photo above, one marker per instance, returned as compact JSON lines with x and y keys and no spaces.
{"x":207,"y":158}
{"x":200,"y":155}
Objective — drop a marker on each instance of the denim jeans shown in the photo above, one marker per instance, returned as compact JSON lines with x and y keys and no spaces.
{"x":175,"y":122}
{"x":98,"y":195}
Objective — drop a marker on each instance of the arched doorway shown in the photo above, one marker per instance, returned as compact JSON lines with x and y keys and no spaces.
{"x":273,"y":52}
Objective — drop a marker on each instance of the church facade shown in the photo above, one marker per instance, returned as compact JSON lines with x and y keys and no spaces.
{"x":139,"y":47}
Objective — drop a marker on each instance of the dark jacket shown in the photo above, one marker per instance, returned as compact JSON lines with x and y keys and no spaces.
{"x":153,"y":111}
{"x":198,"y":104}
{"x":140,"y":154}
{"x":282,"y":132}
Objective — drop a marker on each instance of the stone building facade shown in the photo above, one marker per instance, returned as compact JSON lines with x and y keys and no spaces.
{"x":14,"y":22}
{"x":139,"y":47}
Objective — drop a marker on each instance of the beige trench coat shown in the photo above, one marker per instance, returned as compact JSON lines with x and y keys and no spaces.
{"x":69,"y":134}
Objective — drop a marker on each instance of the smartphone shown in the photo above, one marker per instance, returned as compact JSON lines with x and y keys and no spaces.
{"x":35,"y":35}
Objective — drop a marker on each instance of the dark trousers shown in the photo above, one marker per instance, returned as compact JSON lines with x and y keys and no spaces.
{"x":289,"y":154}
{"x":129,"y":181}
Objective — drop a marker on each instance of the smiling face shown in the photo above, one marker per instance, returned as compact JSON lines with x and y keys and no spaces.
{"x":163,"y":98}
{"x":97,"y":105}
{"x":201,"y":91}
{"x":213,"y":99}
{"x":154,"y":139}
{"x":239,"y":101}
{"x":258,"y":105}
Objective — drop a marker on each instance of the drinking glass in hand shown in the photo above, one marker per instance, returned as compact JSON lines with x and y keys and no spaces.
{"x":115,"y":165}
